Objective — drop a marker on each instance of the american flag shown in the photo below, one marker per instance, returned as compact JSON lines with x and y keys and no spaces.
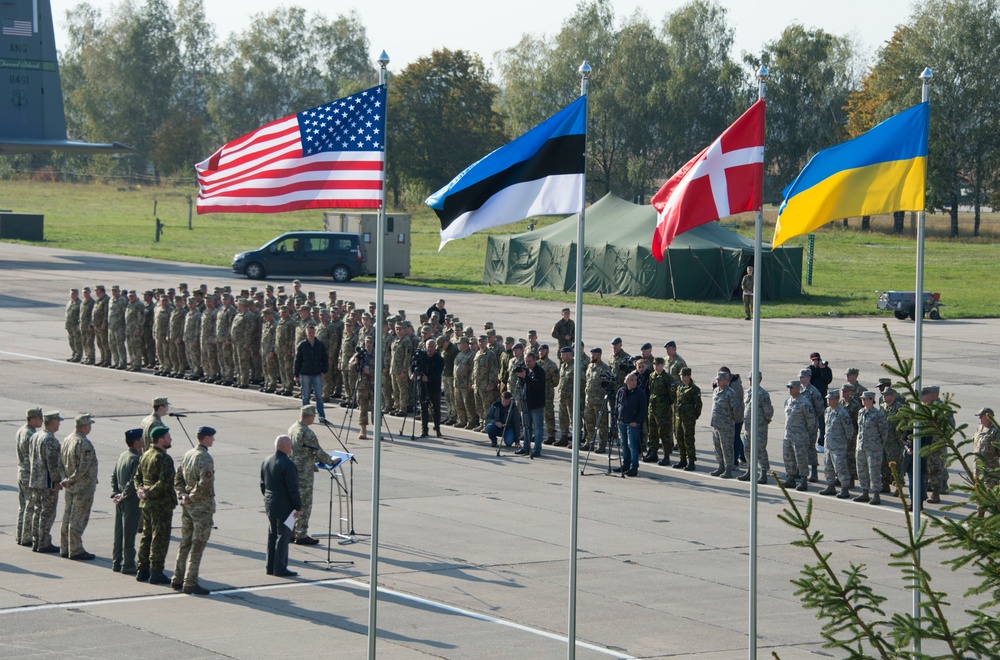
{"x":330,"y":156}
{"x":12,"y":28}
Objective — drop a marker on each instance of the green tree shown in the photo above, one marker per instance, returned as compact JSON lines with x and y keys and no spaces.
{"x":441,"y":118}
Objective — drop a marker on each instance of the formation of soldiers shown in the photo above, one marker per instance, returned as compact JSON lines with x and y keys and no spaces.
{"x":249,"y":339}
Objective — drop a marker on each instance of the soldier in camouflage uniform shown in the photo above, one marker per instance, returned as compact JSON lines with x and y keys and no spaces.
{"x":986,"y":444}
{"x":934,"y":462}
{"x":44,"y":477}
{"x":116,"y":329}
{"x":101,"y":325}
{"x":269,"y":352}
{"x":892,"y":450}
{"x":195,"y":486}
{"x":334,"y":377}
{"x":564,"y":330}
{"x":765,"y":414}
{"x":661,"y":417}
{"x":161,"y":407}
{"x":161,"y":333}
{"x":306,"y":452}
{"x":256,"y":366}
{"x":872,"y":433}
{"x":485,"y":371}
{"x":852,"y":377}
{"x":207,"y":341}
{"x":839,"y":431}
{"x":79,"y":483}
{"x":465,"y":398}
{"x":284,"y":338}
{"x":851,"y":401}
{"x":673,"y":367}
{"x":348,"y":347}
{"x":242,"y":333}
{"x":620,"y":363}
{"x":87,"y":332}
{"x":687,"y":410}
{"x":148,"y":341}
{"x":22,"y":443}
{"x":365,"y":370}
{"x":818,"y":404}
{"x":510,"y":382}
{"x":566,"y":371}
{"x":800,"y":431}
{"x":127,"y":514}
{"x":192,"y":340}
{"x":727,"y":412}
{"x":402,"y":351}
{"x":224,"y":339}
{"x":597,"y":372}
{"x":154,"y":485}
{"x":135,"y":317}
{"x":73,"y":326}
{"x":551,"y":382}
{"x":178,"y":363}
{"x":448,"y":352}
{"x":388,"y":340}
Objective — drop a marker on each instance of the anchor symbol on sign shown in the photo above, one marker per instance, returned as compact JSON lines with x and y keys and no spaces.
{"x":18,"y":99}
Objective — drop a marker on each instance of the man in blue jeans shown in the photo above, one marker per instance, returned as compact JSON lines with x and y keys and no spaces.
{"x":631,"y":406}
{"x":532,"y":380}
{"x":311,"y":363}
{"x":503,"y":420}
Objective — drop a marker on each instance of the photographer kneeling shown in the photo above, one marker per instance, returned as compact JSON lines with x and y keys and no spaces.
{"x":531,"y":377}
{"x":631,"y":407}
{"x":427,"y":367}
{"x":503,"y":420}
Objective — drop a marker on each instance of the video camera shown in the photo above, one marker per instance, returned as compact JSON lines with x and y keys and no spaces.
{"x":608,"y":383}
{"x":418,"y":363}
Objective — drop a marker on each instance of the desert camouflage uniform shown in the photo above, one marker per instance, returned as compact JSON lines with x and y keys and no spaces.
{"x":196,"y":478}
{"x":366,"y":385}
{"x":156,"y":476}
{"x":448,"y":380}
{"x":209,"y":344}
{"x":402,"y":351}
{"x":224,"y":339}
{"x":305,"y":460}
{"x":161,"y":332}
{"x":148,"y":423}
{"x":192,"y":342}
{"x":388,"y":403}
{"x":80,"y":464}
{"x":117,"y":309}
{"x":22,"y":442}
{"x":73,"y":330}
{"x":135,"y":319}
{"x":45,"y":474}
{"x":177,"y":358}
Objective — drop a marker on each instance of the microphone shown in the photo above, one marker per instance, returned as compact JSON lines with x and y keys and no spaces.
{"x":176,"y":415}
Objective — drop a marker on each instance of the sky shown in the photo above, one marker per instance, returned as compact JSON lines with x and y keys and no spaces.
{"x":410,"y":29}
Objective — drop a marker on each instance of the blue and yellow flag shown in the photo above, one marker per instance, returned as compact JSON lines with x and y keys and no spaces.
{"x":881,"y":171}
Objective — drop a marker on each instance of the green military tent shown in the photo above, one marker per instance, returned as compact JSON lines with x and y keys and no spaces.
{"x":704,"y":263}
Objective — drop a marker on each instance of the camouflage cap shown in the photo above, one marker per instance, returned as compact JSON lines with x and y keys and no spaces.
{"x":182,"y":285}
{"x":509,"y":340}
{"x":532,"y":333}
{"x":984,"y":411}
{"x":305,"y":411}
{"x":685,"y":371}
{"x":296,"y":283}
{"x":868,"y":394}
{"x":724,"y":375}
{"x":805,"y":373}
{"x":160,"y":401}
{"x":885,"y":381}
{"x":372,"y":303}
{"x":366,"y":315}
{"x":565,"y":310}
{"x":887,"y":391}
{"x":268,"y":311}
{"x":32,"y":413}
{"x":491,"y":333}
{"x":132,"y":292}
{"x":833,"y":393}
{"x":483,"y":338}
{"x":853,"y":371}
{"x":158,"y":432}
{"x":99,"y":287}
{"x":792,"y":384}
{"x":86,"y":289}
{"x":847,"y":387}
{"x":83,"y":419}
{"x":930,"y":389}
{"x":425,"y":329}
{"x":52,"y":416}
{"x":74,"y":291}
{"x":463,"y":340}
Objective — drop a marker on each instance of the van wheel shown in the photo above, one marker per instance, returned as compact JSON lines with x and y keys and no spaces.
{"x":934,"y":314}
{"x":255,"y":271}
{"x":900,"y":314}
{"x":341,"y":274}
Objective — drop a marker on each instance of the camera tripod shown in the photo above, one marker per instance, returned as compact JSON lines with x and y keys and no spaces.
{"x":349,"y":413}
{"x":416,"y":390}
{"x":612,"y":438}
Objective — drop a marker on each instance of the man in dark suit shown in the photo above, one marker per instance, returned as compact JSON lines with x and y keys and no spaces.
{"x":279,"y":484}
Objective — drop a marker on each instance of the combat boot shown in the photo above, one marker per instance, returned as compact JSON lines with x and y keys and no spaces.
{"x":762,"y":479}
{"x":364,"y":433}
{"x":680,"y":465}
{"x":935,"y":497}
{"x":727,"y":473}
{"x":196,"y":589}
{"x":876,"y":500}
{"x":718,"y":471}
{"x":813,"y":477}
{"x":790,"y":481}
{"x":158,"y":577}
{"x":829,"y":490}
{"x":562,"y":442}
{"x":744,"y":477}
{"x":142,"y":575}
{"x":844,"y":493}
{"x":863,"y":497}
{"x":803,"y":485}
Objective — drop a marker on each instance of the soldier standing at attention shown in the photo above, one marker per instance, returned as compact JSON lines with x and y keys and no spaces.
{"x":816,"y":400}
{"x":192,"y":340}
{"x":44,"y":479}
{"x":22,"y":442}
{"x":986,"y":444}
{"x":306,"y":453}
{"x":566,"y":371}
{"x":851,"y":402}
{"x":80,"y":483}
{"x":161,"y":407}
{"x":674,"y":365}
{"x":687,"y":407}
{"x":465,"y":398}
{"x":839,"y":431}
{"x":448,"y":352}
{"x":661,"y":413}
{"x":148,"y":319}
{"x":154,"y":485}
{"x":87,"y":334}
{"x":269,"y":352}
{"x":178,"y":358}
{"x":363,"y":365}
{"x":727,"y":412}
{"x":551,"y":381}
{"x":161,"y":335}
{"x":127,"y":514}
{"x":101,"y":325}
{"x":800,"y":429}
{"x":241,"y":332}
{"x":597,"y":372}
{"x":485,"y":369}
{"x":564,"y":330}
{"x":224,"y":339}
{"x":765,"y":414}
{"x":73,"y":326}
{"x":892,"y":451}
{"x":135,"y":317}
{"x":116,"y":329}
{"x":872,"y":433}
{"x":284,"y":340}
{"x":852,"y":378}
{"x":746,"y":284}
{"x":209,"y":347}
{"x":195,"y":486}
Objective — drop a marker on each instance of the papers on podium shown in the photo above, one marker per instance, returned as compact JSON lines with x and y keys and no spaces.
{"x":336,"y":458}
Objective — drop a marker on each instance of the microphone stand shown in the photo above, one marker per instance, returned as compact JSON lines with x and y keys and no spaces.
{"x":351,"y":536}
{"x":328,"y":563}
{"x":178,"y":418}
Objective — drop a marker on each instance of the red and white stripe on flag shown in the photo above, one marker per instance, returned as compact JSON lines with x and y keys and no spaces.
{"x":266,"y":171}
{"x":724,"y":179}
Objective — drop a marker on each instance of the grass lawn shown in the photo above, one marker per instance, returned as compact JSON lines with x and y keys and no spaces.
{"x":849,"y":266}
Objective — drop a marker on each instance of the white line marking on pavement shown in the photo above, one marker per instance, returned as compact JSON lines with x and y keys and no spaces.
{"x":334,"y":582}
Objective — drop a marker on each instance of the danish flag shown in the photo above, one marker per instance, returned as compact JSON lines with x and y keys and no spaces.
{"x":724,"y":179}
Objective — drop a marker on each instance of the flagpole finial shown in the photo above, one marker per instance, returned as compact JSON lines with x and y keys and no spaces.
{"x":762,"y":72}
{"x":585,"y":69}
{"x":383,"y":59}
{"x":926,"y":75}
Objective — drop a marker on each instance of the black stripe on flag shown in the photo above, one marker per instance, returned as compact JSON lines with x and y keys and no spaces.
{"x":559,"y":155}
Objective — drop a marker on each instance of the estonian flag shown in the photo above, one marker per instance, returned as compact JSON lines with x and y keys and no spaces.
{"x":539,"y":173}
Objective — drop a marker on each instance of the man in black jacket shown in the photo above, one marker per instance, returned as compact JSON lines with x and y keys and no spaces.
{"x":632,"y":408}
{"x":279,"y":484}
{"x":503,"y":420}
{"x":430,"y":378}
{"x":311,"y":363}
{"x":532,"y":377}
{"x":821,"y":378}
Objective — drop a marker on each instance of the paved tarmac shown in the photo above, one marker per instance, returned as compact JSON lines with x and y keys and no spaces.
{"x":473,"y":547}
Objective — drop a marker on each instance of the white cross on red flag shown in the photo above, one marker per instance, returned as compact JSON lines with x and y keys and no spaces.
{"x":724,"y":179}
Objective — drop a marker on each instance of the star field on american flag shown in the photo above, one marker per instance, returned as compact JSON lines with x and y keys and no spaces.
{"x":353,"y":123}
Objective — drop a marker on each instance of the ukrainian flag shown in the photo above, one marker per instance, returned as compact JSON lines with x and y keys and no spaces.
{"x":881,"y":171}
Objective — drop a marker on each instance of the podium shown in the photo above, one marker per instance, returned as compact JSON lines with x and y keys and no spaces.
{"x":338,"y":483}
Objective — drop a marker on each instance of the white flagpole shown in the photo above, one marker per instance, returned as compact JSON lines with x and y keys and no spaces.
{"x":574,"y":499}
{"x":383,"y":61}
{"x":918,"y":341}
{"x":758,"y":268}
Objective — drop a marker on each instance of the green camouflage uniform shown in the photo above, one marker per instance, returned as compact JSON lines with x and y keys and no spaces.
{"x":148,"y":340}
{"x":256,"y":328}
{"x":87,"y":333}
{"x":224,"y":337}
{"x":661,"y":415}
{"x":305,"y":460}
{"x":80,"y":464}
{"x":45,"y":474}
{"x":73,"y":330}
{"x":551,"y":382}
{"x":22,"y":443}
{"x":673,"y":367}
{"x":101,"y":328}
{"x":465,"y":398}
{"x":196,"y":478}
{"x":156,"y":476}
{"x":595,"y":404}
{"x":176,"y":344}
{"x":209,"y":344}
{"x":366,"y":385}
{"x":135,"y":318}
{"x":986,"y":444}
{"x":284,"y":336}
{"x":334,"y":379}
{"x":161,"y":334}
{"x":485,"y":370}
{"x":892,"y":450}
{"x":853,"y":407}
{"x":687,"y":410}
{"x":561,"y":329}
{"x":269,"y":354}
{"x":241,"y":332}
{"x":116,"y":330}
{"x":566,"y":397}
